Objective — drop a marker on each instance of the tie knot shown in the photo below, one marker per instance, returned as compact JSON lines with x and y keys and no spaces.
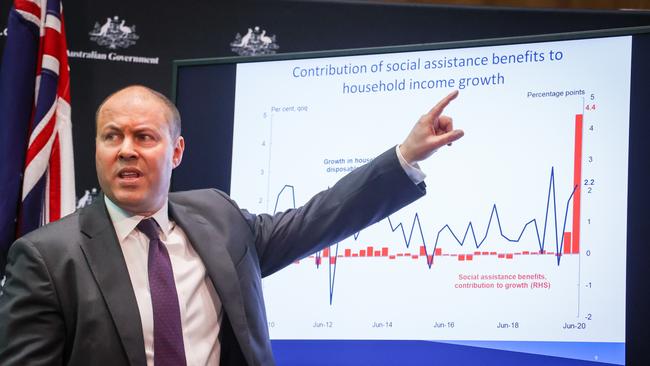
{"x":148,"y":227}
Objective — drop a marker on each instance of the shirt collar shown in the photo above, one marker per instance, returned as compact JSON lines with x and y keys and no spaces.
{"x":124,"y":222}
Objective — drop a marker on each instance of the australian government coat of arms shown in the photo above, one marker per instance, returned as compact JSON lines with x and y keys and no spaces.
{"x":255,"y":42}
{"x":113,"y":33}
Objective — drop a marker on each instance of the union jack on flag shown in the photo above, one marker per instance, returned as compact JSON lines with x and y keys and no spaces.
{"x":37,"y":168}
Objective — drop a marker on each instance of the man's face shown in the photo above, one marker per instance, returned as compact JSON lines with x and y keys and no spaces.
{"x":135,"y":152}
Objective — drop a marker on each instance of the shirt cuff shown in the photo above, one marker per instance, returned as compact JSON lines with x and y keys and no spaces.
{"x":413,"y":171}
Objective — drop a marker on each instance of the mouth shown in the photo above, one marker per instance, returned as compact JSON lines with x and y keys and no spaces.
{"x":129,"y":175}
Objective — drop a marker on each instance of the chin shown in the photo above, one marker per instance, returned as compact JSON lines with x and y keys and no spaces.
{"x":129,"y":200}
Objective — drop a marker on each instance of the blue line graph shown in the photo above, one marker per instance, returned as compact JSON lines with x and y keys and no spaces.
{"x":416,"y":227}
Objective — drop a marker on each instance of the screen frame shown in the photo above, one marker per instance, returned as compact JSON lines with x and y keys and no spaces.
{"x":637,"y":294}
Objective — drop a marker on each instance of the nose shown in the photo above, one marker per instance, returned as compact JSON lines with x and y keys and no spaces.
{"x":127,"y":150}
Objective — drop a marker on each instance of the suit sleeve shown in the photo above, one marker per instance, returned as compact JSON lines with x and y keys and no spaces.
{"x":361,"y":198}
{"x":31,"y":326}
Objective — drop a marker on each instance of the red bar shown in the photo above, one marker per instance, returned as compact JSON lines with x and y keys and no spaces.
{"x":486,"y":253}
{"x":429,"y":259}
{"x":438,"y":251}
{"x":362,"y":253}
{"x":355,"y":254}
{"x":384,"y":252}
{"x":332,"y":260}
{"x":469,"y":257}
{"x":525,"y":252}
{"x":400,"y":254}
{"x":423,"y":250}
{"x":326,"y":252}
{"x":369,"y":251}
{"x":477,"y":253}
{"x":508,"y":256}
{"x":377,"y":253}
{"x":577,"y":182}
{"x":461,"y":257}
{"x":501,"y":255}
{"x":567,"y":243}
{"x":348,"y":252}
{"x":391,"y":257}
{"x":415,"y":256}
{"x":493,"y":253}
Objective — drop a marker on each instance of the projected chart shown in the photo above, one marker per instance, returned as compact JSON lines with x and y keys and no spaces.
{"x":522,"y":233}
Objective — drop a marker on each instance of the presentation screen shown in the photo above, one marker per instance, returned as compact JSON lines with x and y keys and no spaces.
{"x":518,"y":253}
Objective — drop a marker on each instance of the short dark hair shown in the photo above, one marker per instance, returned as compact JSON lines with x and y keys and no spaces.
{"x":174,"y":119}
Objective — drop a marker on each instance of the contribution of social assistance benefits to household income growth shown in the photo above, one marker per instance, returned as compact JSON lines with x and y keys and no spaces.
{"x":419,"y":64}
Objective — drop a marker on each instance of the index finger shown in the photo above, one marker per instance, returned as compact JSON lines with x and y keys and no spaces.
{"x":442,"y":104}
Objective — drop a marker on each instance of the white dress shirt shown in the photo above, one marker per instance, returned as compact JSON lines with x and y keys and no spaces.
{"x":200,"y":306}
{"x":413,"y":171}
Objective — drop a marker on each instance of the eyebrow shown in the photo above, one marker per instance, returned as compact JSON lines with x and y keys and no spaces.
{"x":113,"y":126}
{"x":110,"y":126}
{"x":141,"y":129}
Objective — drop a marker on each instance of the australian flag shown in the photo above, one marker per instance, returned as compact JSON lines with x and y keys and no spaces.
{"x":37,"y":167}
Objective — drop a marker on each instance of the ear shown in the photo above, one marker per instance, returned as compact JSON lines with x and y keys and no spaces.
{"x":179,"y":147}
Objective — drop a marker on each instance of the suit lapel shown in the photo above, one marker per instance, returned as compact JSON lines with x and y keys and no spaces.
{"x":204,"y":238}
{"x":106,"y":261}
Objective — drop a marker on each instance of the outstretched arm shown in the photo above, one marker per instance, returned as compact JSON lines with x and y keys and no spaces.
{"x":361,"y":198}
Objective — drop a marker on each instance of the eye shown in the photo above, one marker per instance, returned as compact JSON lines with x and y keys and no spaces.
{"x":145,"y":137}
{"x":110,"y":136}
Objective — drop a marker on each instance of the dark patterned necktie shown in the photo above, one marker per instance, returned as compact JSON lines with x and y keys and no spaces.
{"x":168,"y":346}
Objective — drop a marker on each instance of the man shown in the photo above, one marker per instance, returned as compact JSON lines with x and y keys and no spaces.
{"x":107,"y":285}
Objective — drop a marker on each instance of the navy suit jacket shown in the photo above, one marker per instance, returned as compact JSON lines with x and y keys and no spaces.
{"x":68,"y":298}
